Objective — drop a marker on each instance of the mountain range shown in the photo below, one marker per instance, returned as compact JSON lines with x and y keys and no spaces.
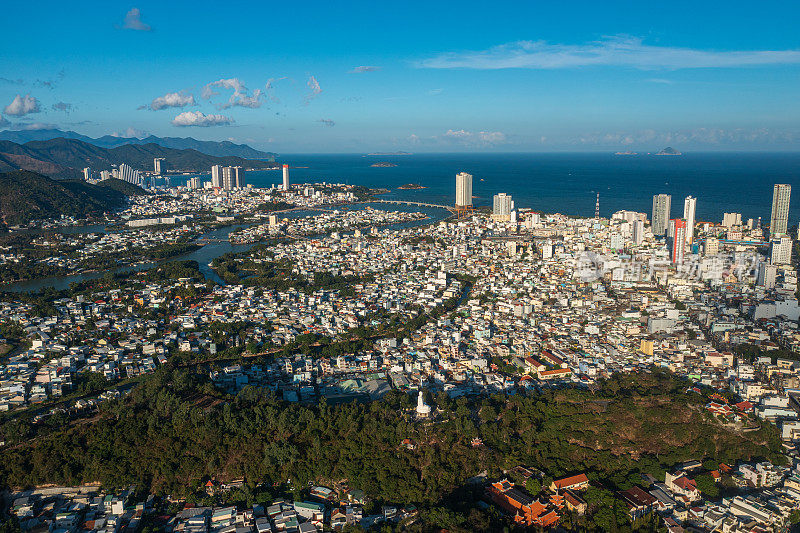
{"x":215,"y":148}
{"x":65,"y":158}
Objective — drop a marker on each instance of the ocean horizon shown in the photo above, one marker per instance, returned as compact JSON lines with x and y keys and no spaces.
{"x":566,"y":182}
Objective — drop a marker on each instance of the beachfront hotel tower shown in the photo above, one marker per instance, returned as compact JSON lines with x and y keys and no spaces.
{"x":463,"y":189}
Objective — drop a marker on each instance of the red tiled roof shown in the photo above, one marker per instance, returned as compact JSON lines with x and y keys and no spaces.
{"x":571,"y":481}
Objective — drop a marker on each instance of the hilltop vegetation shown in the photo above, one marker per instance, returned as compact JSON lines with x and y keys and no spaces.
{"x":175,"y":430}
{"x":26,"y":196}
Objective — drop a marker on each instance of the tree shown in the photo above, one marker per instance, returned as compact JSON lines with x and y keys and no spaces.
{"x":533,"y":486}
{"x":707,"y":486}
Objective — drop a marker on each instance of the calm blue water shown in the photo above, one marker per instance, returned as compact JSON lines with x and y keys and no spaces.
{"x":567,"y":183}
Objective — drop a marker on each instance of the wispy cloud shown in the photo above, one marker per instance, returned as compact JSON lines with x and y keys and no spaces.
{"x":241,"y":97}
{"x":469,"y":137}
{"x":619,"y":51}
{"x":18,"y":81}
{"x":662,"y":81}
{"x":133,"y":21}
{"x":22,"y":105}
{"x":177,"y":99}
{"x":707,"y":136}
{"x":327,"y":122}
{"x":130,"y":133}
{"x":197,"y":118}
{"x":314,"y":89}
{"x":31,"y":126}
{"x":51,"y":83}
{"x":64,"y":107}
{"x":4,"y":122}
{"x":364,"y":68}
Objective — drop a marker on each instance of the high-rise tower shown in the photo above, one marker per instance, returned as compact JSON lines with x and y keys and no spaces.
{"x":285,"y":177}
{"x":689,"y":207}
{"x":662,"y":204}
{"x":779,"y":220}
{"x":463,"y":190}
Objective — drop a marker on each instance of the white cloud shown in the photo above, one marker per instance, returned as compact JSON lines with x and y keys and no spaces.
{"x":364,"y":68}
{"x":314,"y":89}
{"x":492,"y":137}
{"x":196,"y":118}
{"x":226,"y":83}
{"x":621,"y":51}
{"x":458,"y":134}
{"x":130,"y":133}
{"x":32,"y":126}
{"x":22,"y":105}
{"x":4,"y":123}
{"x":472,"y":138}
{"x":179,"y":99}
{"x":240,"y":96}
{"x":246,"y":101}
{"x":133,"y":21}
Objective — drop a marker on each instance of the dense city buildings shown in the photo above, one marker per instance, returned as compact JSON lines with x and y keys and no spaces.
{"x":446,"y":328}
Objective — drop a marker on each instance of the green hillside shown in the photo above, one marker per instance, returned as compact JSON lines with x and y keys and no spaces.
{"x":26,"y":196}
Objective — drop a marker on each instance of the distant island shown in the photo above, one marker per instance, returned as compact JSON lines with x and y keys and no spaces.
{"x":390,"y":153}
{"x":669,"y":150}
{"x":625,"y":153}
{"x":383,"y":164}
{"x":411,"y":187}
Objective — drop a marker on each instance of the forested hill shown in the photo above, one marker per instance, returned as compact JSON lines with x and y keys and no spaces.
{"x":175,"y":430}
{"x":26,"y":196}
{"x":65,"y":158}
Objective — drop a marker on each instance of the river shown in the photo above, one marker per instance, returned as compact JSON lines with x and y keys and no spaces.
{"x":212,"y":250}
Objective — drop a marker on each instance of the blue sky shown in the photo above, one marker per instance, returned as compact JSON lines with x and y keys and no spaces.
{"x":414,"y":76}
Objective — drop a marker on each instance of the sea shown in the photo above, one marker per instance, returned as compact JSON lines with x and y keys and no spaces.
{"x":567,"y":183}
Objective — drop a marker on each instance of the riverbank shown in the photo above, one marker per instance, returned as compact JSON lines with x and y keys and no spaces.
{"x":215,"y":243}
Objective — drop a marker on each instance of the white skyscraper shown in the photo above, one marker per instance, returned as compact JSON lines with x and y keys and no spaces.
{"x":689,"y":207}
{"x":503,"y":206}
{"x":286,"y":183}
{"x":731,"y":219}
{"x":239,"y":179}
{"x":126,"y":173}
{"x":228,"y":178}
{"x":662,"y":204}
{"x":463,"y":190}
{"x":216,"y":176}
{"x":766,"y":275}
{"x":157,"y":165}
{"x":638,"y":232}
{"x":779,"y":221}
{"x":781,"y":251}
{"x":87,"y":173}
